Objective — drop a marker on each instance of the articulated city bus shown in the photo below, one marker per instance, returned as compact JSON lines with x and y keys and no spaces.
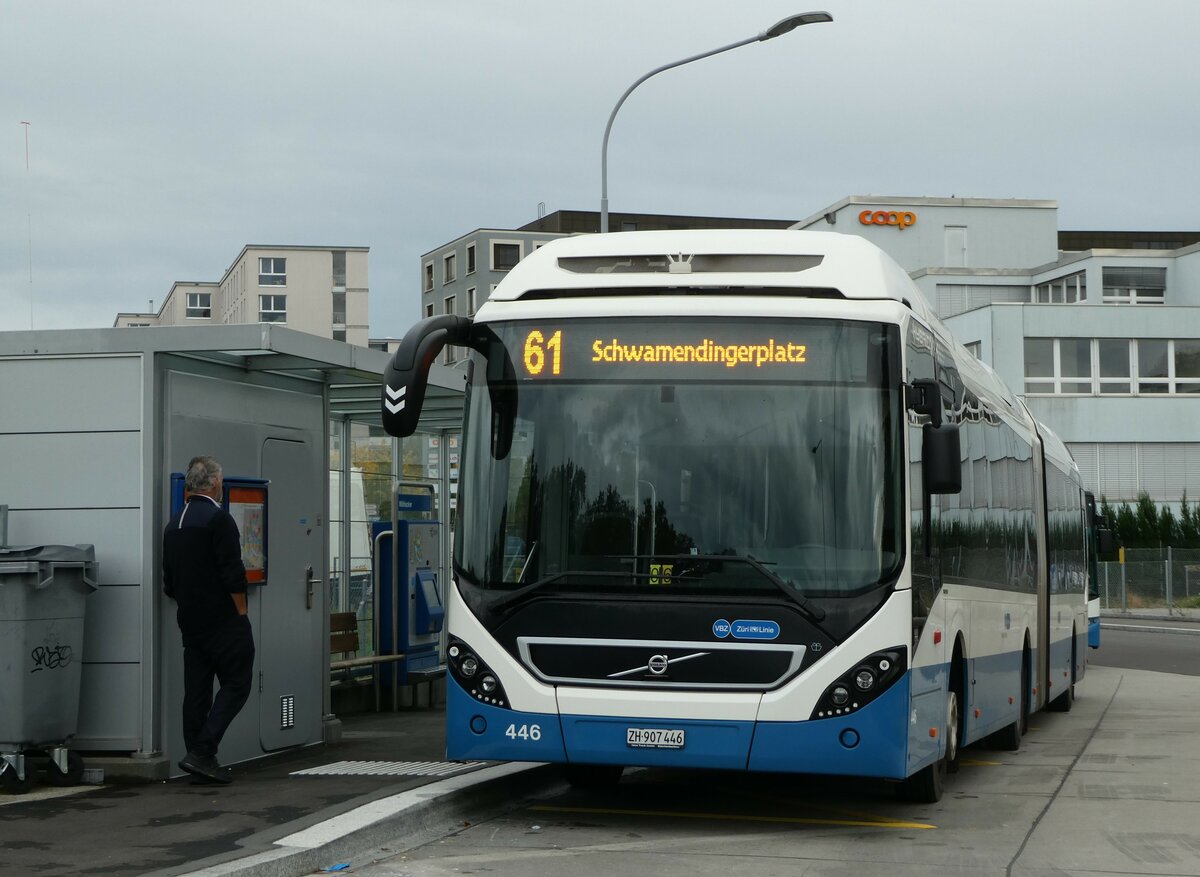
{"x":737,"y":499}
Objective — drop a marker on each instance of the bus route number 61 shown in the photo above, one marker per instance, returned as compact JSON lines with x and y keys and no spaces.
{"x":524,"y":732}
{"x":536,"y":348}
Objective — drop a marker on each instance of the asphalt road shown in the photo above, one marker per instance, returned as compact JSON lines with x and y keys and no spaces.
{"x":1150,"y":648}
{"x":1089,"y":793}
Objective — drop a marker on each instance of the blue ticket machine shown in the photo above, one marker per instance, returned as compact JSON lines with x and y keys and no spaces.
{"x":410,"y":595}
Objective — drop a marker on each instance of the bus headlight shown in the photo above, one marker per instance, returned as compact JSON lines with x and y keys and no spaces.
{"x":473,"y":675}
{"x":856,"y":688}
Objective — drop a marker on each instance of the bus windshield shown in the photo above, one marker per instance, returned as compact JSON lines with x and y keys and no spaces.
{"x":726,"y":457}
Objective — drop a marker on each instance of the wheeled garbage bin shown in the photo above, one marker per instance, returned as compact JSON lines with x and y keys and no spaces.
{"x":42,"y":601}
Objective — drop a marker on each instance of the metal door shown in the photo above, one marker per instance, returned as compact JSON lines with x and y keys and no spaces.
{"x":291,"y":607}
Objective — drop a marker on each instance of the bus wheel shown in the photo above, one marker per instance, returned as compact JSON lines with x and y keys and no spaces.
{"x":1062,"y":703}
{"x":593,"y":776}
{"x":926,"y":785}
{"x":1009,"y":737}
{"x":953,"y":747}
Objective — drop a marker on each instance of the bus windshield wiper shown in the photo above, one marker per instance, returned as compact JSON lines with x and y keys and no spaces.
{"x":520,"y":594}
{"x":810,"y":608}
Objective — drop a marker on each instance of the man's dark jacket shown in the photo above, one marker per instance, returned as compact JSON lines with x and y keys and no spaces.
{"x":202,"y":566}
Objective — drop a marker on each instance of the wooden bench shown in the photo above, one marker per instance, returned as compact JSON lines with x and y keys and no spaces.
{"x":343,"y":640}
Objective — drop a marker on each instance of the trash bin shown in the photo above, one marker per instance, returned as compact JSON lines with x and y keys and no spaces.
{"x":42,"y":591}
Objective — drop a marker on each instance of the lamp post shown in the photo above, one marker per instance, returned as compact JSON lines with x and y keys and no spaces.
{"x":778,"y":29}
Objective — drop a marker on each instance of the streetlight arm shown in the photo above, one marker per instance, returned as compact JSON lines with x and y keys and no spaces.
{"x":778,"y":29}
{"x":608,"y":127}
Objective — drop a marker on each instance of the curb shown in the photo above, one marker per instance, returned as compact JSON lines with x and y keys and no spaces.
{"x":436,"y":806}
{"x":1146,"y":628}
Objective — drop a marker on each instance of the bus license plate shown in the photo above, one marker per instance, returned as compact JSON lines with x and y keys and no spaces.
{"x":654,"y":738}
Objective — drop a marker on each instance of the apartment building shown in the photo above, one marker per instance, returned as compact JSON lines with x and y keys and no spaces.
{"x":319,"y":290}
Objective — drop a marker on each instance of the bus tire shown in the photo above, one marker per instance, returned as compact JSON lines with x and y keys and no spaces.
{"x":1062,"y":703}
{"x":955,"y":705}
{"x":927,"y":785}
{"x":1008,"y":738}
{"x":592,"y":776}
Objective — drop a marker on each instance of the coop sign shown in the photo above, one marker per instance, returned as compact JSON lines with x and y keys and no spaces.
{"x":902,"y":219}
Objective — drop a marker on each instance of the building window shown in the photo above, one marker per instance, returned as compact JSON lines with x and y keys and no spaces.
{"x":449,"y":304}
{"x":428,"y":311}
{"x":448,"y":268}
{"x":378,"y":345}
{"x":505,"y":255}
{"x":339,"y":308}
{"x":272,"y":308}
{"x":1135,"y":286}
{"x":1039,"y":365}
{"x":1075,"y":365}
{"x":470,"y":258}
{"x":1114,"y":365}
{"x":339,"y":270}
{"x":199,"y":305}
{"x":975,"y":348}
{"x":1187,"y":366}
{"x":471,"y":302}
{"x":428,"y":283}
{"x":272,"y":271}
{"x":1168,"y":366}
{"x":339,"y":334}
{"x":1062,"y":290}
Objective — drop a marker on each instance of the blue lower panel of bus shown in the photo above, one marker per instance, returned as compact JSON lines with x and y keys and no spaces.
{"x":1094,"y":633}
{"x":872,"y":742}
{"x":479,"y":731}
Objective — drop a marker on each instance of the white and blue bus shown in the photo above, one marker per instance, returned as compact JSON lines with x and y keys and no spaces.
{"x":737,"y":499}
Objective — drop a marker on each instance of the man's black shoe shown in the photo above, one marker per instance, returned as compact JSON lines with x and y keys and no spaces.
{"x":206,"y":766}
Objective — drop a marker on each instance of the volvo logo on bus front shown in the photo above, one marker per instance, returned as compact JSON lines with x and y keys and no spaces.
{"x":657,"y":664}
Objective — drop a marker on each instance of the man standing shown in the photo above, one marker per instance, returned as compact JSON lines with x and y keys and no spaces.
{"x":203,"y":573}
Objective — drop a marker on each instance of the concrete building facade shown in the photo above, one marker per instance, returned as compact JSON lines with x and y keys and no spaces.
{"x":1103,"y":343}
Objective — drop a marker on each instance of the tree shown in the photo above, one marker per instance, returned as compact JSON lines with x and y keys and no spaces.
{"x":1126,"y":526}
{"x":1147,"y":521}
{"x":1168,"y":527}
{"x":1107,"y":512}
{"x":1189,"y":524}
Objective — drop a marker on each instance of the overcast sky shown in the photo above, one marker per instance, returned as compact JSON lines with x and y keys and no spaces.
{"x":164,"y":136}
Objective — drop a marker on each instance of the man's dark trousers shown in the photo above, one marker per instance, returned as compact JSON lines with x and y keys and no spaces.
{"x":228,"y":656}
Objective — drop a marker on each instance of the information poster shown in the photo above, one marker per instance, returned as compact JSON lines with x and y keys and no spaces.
{"x":248,"y":506}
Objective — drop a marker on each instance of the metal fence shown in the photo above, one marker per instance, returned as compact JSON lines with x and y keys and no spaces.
{"x":1152,"y":578}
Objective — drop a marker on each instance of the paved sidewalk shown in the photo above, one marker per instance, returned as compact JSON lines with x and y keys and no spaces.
{"x":177,"y":826}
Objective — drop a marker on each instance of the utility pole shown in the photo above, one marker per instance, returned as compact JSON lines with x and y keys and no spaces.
{"x":29,"y":222}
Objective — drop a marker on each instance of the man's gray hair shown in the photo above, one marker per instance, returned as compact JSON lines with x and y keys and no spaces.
{"x":202,"y":474}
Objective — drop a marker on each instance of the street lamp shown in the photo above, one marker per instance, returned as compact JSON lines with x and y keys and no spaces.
{"x":778,"y":29}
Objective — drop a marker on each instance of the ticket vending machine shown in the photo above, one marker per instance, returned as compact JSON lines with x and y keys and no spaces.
{"x":411,"y":609}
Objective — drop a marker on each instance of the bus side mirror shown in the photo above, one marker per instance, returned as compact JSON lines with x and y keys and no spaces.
{"x":941,"y":463}
{"x":407,"y":375}
{"x":925,"y":397}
